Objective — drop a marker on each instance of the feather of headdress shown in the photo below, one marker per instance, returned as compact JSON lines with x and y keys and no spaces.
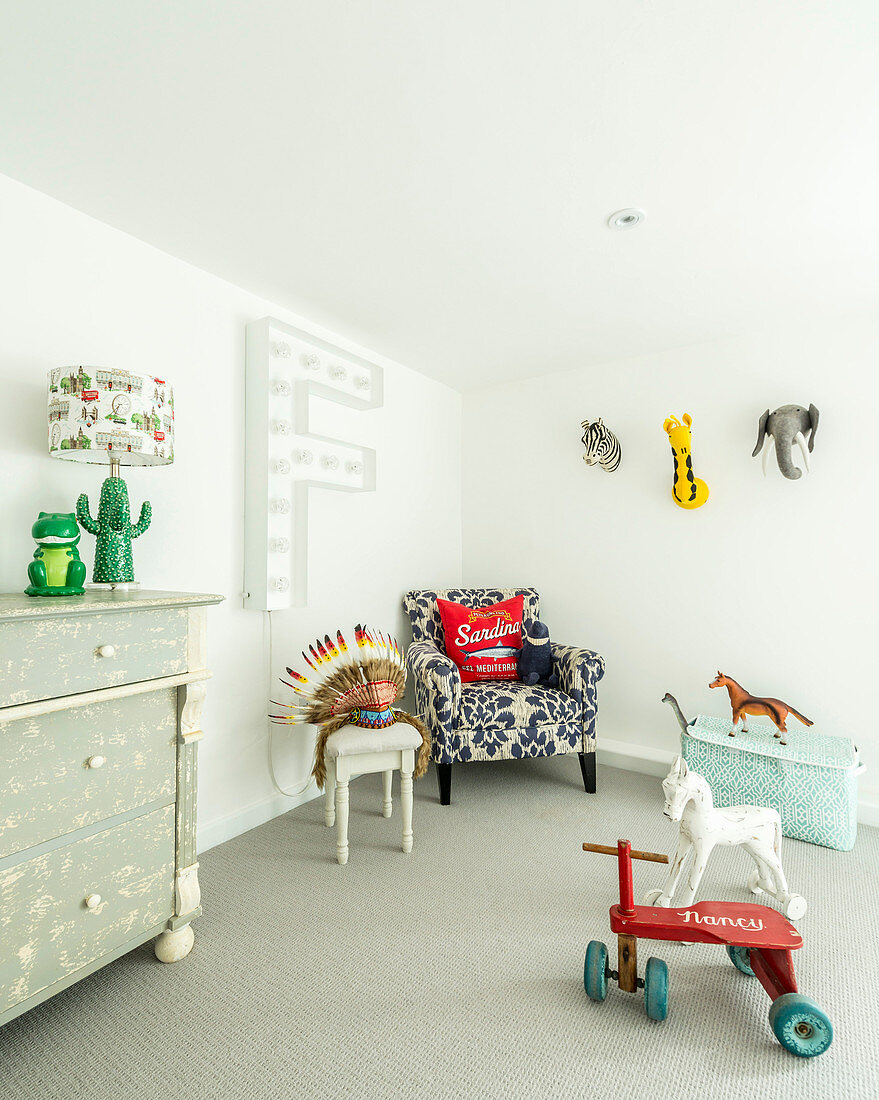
{"x":342,"y":683}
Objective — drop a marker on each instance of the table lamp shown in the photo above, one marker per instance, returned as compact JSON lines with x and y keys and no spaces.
{"x":112,"y":417}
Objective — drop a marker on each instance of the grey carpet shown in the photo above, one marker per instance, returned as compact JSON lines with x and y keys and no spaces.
{"x":455,"y":971}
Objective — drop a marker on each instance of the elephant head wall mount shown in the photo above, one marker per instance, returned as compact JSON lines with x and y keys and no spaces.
{"x":789,"y":424}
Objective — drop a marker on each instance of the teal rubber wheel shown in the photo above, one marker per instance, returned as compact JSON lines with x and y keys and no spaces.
{"x":740,"y":958}
{"x":800,"y":1025}
{"x":656,"y":989}
{"x":595,"y":970}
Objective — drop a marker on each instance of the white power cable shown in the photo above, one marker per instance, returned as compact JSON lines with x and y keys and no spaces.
{"x":308,"y":782}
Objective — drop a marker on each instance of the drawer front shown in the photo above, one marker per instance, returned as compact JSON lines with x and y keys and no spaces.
{"x":45,"y":658}
{"x":70,"y":768}
{"x":48,"y":930}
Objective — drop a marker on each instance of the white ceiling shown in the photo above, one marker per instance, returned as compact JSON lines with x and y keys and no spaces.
{"x":433,"y":179}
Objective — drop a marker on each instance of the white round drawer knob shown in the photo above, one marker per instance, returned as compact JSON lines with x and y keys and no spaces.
{"x":106,"y":651}
{"x":92,"y":901}
{"x":96,"y":761}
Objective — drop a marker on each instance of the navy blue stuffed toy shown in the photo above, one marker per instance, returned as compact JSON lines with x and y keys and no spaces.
{"x":535,"y":657}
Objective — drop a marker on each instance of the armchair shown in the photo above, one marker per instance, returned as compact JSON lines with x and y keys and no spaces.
{"x":499,"y":720}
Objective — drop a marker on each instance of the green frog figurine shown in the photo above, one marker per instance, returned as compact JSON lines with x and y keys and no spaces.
{"x":56,"y":569}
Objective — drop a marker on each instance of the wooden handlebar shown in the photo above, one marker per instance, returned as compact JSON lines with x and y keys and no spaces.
{"x":606,"y":850}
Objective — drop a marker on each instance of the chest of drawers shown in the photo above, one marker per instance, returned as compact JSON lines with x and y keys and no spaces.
{"x":101,"y":698}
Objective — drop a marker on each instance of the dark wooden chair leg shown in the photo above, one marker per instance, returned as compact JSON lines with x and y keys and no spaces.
{"x":587,"y":767}
{"x":444,"y":774}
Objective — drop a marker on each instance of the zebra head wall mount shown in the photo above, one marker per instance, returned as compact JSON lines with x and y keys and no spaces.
{"x":602,"y":446}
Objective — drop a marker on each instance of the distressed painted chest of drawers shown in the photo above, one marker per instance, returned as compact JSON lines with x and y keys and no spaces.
{"x":100,"y":716}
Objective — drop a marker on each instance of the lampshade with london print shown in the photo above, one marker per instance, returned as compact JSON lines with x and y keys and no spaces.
{"x":102,"y":414}
{"x":115,"y":418}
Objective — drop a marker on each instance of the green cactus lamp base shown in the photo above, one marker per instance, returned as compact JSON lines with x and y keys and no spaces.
{"x":114,"y":531}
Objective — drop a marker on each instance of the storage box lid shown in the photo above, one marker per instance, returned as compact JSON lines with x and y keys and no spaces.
{"x":804,"y":744}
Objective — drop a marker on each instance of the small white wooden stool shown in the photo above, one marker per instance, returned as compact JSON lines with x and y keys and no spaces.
{"x":353,"y":750}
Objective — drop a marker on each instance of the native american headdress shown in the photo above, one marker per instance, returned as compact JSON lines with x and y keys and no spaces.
{"x":343,"y":689}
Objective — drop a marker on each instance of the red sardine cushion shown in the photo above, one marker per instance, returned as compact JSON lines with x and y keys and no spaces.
{"x":484,"y":642}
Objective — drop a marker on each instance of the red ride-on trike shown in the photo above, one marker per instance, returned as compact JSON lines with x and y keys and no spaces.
{"x":759,"y":941}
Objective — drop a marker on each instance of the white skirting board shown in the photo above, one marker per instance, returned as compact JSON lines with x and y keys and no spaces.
{"x":634,"y":758}
{"x":212,"y":833}
{"x":645,"y":759}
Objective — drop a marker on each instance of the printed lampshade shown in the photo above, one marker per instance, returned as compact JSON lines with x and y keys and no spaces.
{"x":99,"y":413}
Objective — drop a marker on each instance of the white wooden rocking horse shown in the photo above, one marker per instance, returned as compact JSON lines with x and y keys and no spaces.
{"x":688,"y":799}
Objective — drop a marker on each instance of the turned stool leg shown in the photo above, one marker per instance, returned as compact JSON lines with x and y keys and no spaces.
{"x":387,"y":804}
{"x":342,"y":821}
{"x":330,"y":792}
{"x":406,"y":805}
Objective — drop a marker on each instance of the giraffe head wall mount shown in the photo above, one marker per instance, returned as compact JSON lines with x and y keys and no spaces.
{"x":688,"y":491}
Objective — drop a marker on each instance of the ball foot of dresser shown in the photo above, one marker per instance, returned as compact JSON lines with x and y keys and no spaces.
{"x":171,"y":947}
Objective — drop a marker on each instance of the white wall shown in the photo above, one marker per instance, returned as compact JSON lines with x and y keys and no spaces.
{"x":772,"y":581}
{"x":75,"y":291}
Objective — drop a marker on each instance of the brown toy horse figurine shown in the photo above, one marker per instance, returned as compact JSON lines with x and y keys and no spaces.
{"x":744,"y":704}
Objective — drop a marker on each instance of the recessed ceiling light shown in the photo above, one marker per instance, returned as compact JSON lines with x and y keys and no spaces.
{"x":626,"y":219}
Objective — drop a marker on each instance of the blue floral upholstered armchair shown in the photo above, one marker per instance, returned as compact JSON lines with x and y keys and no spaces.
{"x":505,"y":719}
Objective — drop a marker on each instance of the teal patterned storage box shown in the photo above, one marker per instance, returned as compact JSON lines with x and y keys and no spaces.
{"x":811,"y":781}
